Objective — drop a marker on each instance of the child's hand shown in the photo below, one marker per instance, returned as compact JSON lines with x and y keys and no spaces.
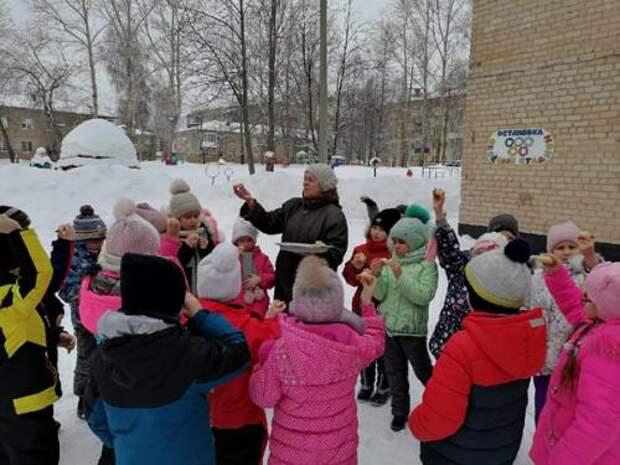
{"x":586,"y":243}
{"x":439,"y":200}
{"x":66,"y":232}
{"x":252,"y":282}
{"x":376,"y":267}
{"x":191,"y":306}
{"x":8,"y":225}
{"x":192,"y":240}
{"x":173,"y":227}
{"x":369,"y":283}
{"x":203,"y":242}
{"x":550,"y":262}
{"x":359,"y":261}
{"x":396,"y":269}
{"x":67,"y":341}
{"x":276,"y":307}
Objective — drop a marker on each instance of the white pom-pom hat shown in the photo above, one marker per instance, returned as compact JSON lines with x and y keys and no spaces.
{"x":130,"y":233}
{"x":182,"y":200}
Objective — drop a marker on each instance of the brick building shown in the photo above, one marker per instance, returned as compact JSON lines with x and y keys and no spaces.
{"x":552,"y":67}
{"x":29,"y":128}
{"x":419,"y":153}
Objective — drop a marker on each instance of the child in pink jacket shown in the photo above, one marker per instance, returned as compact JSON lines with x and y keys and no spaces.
{"x":580,"y":424}
{"x":101,"y":292}
{"x":257,"y":273}
{"x":309,"y":375}
{"x":191,"y":234}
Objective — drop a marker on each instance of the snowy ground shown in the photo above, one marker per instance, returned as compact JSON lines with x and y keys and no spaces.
{"x":52,"y":198}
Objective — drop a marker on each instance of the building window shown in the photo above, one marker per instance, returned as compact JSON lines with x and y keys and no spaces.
{"x":212,"y":138}
{"x":3,"y":145}
{"x":5,"y":122}
{"x":26,"y":146}
{"x":27,"y":123}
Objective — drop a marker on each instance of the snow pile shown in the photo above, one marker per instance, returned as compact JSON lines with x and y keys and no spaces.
{"x":54,"y":197}
{"x":96,"y":142}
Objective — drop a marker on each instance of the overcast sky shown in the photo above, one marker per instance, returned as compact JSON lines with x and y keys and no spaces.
{"x":368,"y":10}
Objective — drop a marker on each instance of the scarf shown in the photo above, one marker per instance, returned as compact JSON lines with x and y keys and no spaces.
{"x":413,"y":257}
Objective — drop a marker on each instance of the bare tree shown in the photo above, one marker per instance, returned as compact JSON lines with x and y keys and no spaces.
{"x":7,"y":82}
{"x":43,"y":71}
{"x":126,"y":59}
{"x":164,"y":28}
{"x":71,"y":21}
{"x":217,"y":32}
{"x":449,"y":17}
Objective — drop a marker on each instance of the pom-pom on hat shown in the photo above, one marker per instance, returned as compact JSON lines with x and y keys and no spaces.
{"x":499,"y":280}
{"x":182,"y":201}
{"x":153,"y":216}
{"x":88,"y":226}
{"x":130,"y":233}
{"x":318,"y":296}
{"x":219,"y":274}
{"x":603,"y":288}
{"x":413,"y":228}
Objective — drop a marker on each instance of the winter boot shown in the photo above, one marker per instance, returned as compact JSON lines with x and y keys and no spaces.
{"x":398,"y":423}
{"x":380,"y":397}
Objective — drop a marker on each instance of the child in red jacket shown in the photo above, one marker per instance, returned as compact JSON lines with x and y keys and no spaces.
{"x":257,"y":273}
{"x":375,"y":248}
{"x":239,"y":426}
{"x":473,"y":408}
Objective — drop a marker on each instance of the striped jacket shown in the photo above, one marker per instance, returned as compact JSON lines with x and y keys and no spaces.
{"x":28,"y":379}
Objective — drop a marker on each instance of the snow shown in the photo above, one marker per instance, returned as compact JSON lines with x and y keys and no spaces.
{"x":54,"y":197}
{"x":96,"y":142}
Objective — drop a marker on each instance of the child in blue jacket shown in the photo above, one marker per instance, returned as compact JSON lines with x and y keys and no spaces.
{"x":152,"y":375}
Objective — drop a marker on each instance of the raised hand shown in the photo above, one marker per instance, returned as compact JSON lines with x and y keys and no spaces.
{"x":549,"y":262}
{"x":369,"y":283}
{"x":241,"y":192}
{"x":439,"y":200}
{"x":191,"y":306}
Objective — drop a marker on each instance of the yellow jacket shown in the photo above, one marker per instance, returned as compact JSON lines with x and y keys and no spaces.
{"x":27,"y":377}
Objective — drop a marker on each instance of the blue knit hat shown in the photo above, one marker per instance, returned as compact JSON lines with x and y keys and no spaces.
{"x":88,"y":226}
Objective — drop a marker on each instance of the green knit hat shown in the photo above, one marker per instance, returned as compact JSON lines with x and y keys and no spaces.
{"x":413,"y":231}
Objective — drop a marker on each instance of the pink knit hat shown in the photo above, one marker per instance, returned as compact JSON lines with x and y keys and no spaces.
{"x":603,"y":288}
{"x":155,"y":217}
{"x":318,"y":296}
{"x":130,"y":233}
{"x":563,"y":232}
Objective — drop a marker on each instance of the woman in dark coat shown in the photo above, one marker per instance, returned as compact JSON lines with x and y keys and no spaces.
{"x":316,"y":216}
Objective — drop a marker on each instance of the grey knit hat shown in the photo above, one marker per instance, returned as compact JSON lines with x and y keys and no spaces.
{"x":500,"y":279}
{"x":318,"y":296}
{"x":243,"y":228}
{"x":325,"y":175}
{"x":182,"y":200}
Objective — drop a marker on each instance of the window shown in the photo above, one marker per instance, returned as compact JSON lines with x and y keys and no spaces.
{"x":26,"y":146}
{"x":212,"y":138}
{"x":27,"y":123}
{"x":3,"y":145}
{"x":5,"y":122}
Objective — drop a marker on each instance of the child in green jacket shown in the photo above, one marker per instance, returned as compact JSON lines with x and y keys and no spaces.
{"x":407,"y":284}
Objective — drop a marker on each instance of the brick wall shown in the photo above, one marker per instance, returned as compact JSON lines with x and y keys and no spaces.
{"x":553,"y":64}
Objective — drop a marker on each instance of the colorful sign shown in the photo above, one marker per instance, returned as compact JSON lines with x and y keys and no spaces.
{"x":520,"y":146}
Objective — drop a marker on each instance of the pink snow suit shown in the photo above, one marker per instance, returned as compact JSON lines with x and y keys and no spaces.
{"x":264,"y":269}
{"x":309,"y":376}
{"x":581,"y":426}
